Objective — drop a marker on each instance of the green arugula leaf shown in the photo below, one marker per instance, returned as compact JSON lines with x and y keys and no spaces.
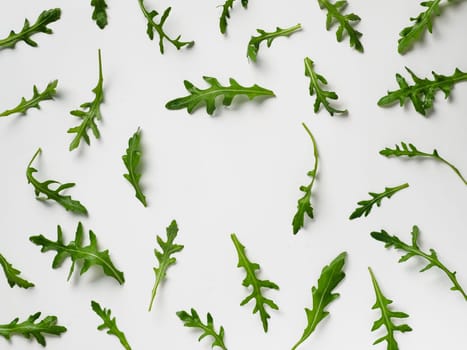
{"x":192,"y":320}
{"x":251,"y":280}
{"x":226,"y":13}
{"x":409,"y":150}
{"x":12,"y":275}
{"x":89,"y":255}
{"x":165,"y":257}
{"x":132,"y":160}
{"x":387,"y":314}
{"x":322,"y":96}
{"x":413,"y":249}
{"x":109,"y":323}
{"x":54,"y":194}
{"x":304,"y":203}
{"x":323,"y":295}
{"x":90,"y":115}
{"x":346,"y":22}
{"x":208,"y":96}
{"x":30,"y":327}
{"x":28,"y":30}
{"x":152,"y":27}
{"x":99,"y":15}
{"x":255,"y":41}
{"x":366,"y":206}
{"x":422,"y":93}
{"x":48,"y":94}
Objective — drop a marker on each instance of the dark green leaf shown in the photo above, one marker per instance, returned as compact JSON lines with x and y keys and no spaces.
{"x":132,"y":160}
{"x":12,"y":275}
{"x":226,"y":13}
{"x":109,"y":323}
{"x":100,"y":13}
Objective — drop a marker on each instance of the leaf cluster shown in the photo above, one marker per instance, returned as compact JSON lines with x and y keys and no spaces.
{"x":109,"y":323}
{"x":225,"y":15}
{"x":132,"y":160}
{"x":13,"y":275}
{"x":99,"y":13}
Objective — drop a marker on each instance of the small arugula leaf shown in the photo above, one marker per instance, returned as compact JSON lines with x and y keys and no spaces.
{"x":422,"y":92}
{"x":28,"y":30}
{"x":304,"y":203}
{"x":208,"y":96}
{"x":152,"y":27}
{"x":100,"y":13}
{"x":13,"y":275}
{"x":226,"y":13}
{"x":48,"y":94}
{"x":366,"y":205}
{"x":323,"y":295}
{"x":109,"y":323}
{"x":413,"y":249}
{"x":54,"y":194}
{"x":346,"y":22}
{"x":192,"y":320}
{"x":30,"y":327}
{"x":387,"y":314}
{"x":89,"y":255}
{"x":251,"y":280}
{"x":165,"y":257}
{"x":409,"y":150}
{"x":132,"y":159}
{"x":255,"y":41}
{"x":322,"y":96}
{"x":90,"y":114}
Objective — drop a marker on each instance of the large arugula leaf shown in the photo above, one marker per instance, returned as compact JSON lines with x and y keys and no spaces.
{"x":109,"y":323}
{"x":331,"y":276}
{"x":255,"y":41}
{"x":153,"y":26}
{"x":13,"y":275}
{"x":132,"y":159}
{"x":225,"y":15}
{"x":387,"y":315}
{"x":422,"y":92}
{"x":256,"y":284}
{"x":192,"y":320}
{"x":304,"y":203}
{"x":43,"y":188}
{"x":164,"y":257}
{"x":208,"y":96}
{"x":90,"y":114}
{"x":40,"y":26}
{"x":30,"y":328}
{"x":412,"y":250}
{"x":99,"y":13}
{"x":365,"y":206}
{"x":37,"y":97}
{"x":89,"y":255}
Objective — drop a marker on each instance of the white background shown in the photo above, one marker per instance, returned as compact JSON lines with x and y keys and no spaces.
{"x":238,"y":171}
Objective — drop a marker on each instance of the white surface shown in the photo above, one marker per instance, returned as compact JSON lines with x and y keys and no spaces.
{"x":236,"y":172}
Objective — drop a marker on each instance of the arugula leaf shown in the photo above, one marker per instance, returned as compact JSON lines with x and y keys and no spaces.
{"x":226,"y":13}
{"x":109,"y":323}
{"x":414,"y":250}
{"x":30,"y":327}
{"x":422,"y":93}
{"x":208,"y":96}
{"x":12,"y":275}
{"x":251,"y":280}
{"x":165,"y":257}
{"x":54,"y":194}
{"x":255,"y":41}
{"x":25,"y":105}
{"x":132,"y":160}
{"x":158,"y":27}
{"x":89,"y":255}
{"x":346,"y":22}
{"x":100,"y":13}
{"x":366,"y":206}
{"x":322,"y":96}
{"x":304,"y":203}
{"x":193,"y":320}
{"x":40,"y":26}
{"x":387,"y":314}
{"x":409,"y":150}
{"x":90,"y":114}
{"x":323,"y":295}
